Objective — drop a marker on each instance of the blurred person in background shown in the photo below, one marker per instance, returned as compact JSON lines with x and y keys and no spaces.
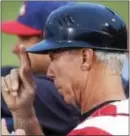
{"x":55,"y":116}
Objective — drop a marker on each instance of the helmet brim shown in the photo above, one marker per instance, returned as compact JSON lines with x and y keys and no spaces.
{"x":51,"y":45}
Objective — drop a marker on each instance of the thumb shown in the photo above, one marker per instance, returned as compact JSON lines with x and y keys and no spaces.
{"x":26,"y":73}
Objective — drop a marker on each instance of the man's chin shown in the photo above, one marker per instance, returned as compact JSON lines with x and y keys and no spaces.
{"x":70,"y":101}
{"x":60,"y":91}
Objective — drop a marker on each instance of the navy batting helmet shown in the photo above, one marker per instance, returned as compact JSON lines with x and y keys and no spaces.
{"x":83,"y":26}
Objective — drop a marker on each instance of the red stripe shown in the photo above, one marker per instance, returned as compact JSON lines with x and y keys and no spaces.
{"x":106,"y":110}
{"x":89,"y":131}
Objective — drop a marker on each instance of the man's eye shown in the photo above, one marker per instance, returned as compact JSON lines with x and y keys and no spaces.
{"x":51,"y":57}
{"x":54,"y":57}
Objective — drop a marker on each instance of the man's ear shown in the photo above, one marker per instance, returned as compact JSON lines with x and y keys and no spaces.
{"x":87,"y":59}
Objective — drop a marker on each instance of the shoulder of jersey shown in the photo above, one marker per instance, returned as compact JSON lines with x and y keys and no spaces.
{"x":111,"y":119}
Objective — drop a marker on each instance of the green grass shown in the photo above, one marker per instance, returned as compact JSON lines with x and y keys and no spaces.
{"x":10,"y":10}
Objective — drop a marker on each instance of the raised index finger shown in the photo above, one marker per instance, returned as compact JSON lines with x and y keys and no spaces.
{"x":24,"y":59}
{"x":26,"y":73}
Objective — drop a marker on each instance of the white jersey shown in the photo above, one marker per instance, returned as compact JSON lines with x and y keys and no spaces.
{"x":111,"y":119}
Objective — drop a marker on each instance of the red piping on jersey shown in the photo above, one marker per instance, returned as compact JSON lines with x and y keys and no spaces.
{"x":87,"y":131}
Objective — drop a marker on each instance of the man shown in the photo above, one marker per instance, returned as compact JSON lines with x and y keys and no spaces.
{"x":50,"y":108}
{"x":87,"y":55}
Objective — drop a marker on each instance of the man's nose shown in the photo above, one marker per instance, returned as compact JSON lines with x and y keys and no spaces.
{"x":50,"y":72}
{"x":15,"y":49}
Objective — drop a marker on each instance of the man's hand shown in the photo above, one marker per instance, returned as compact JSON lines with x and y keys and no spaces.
{"x":5,"y":130}
{"x":18,"y":88}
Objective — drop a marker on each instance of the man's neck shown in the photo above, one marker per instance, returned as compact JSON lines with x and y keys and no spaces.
{"x":101,"y":86}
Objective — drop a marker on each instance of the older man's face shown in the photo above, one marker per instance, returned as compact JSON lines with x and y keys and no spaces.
{"x":66,"y":72}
